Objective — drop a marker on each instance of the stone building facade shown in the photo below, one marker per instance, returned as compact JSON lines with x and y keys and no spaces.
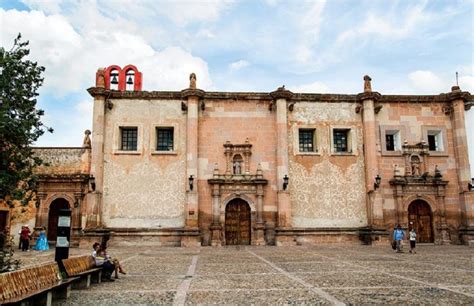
{"x":217,"y":168}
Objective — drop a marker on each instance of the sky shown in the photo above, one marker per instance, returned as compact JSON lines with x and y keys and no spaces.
{"x":407,"y":47}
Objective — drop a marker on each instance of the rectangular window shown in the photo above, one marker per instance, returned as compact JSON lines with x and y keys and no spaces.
{"x":307,"y":140}
{"x":341,"y":140}
{"x":128,"y":137}
{"x":435,"y":141}
{"x":164,"y":140}
{"x":392,"y":141}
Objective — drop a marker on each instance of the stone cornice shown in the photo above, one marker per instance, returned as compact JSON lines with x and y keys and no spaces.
{"x":281,"y":93}
{"x":191,"y":92}
{"x":296,"y":97}
{"x":372,"y":95}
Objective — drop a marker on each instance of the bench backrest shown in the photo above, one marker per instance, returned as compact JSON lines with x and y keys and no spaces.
{"x":17,"y":283}
{"x":78,"y":264}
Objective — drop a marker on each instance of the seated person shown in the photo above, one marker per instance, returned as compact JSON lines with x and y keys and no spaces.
{"x":102,"y":261}
{"x":116,"y":263}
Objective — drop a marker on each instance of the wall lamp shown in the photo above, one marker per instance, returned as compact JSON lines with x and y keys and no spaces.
{"x":377,"y":182}
{"x":191,"y":182}
{"x":285,"y":181}
{"x":470,"y":186}
{"x":92,"y":182}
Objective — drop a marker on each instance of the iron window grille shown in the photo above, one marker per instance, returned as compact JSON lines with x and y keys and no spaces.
{"x":129,"y":139}
{"x":306,"y":140}
{"x":432,"y":143}
{"x":341,"y":141}
{"x":390,"y":142}
{"x":165,"y":139}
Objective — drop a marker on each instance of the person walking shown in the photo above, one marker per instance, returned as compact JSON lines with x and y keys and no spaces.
{"x":412,"y":241}
{"x":25,"y":238}
{"x":398,"y":235}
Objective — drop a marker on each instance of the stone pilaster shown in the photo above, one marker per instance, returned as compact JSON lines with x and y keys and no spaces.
{"x":216,"y":227}
{"x":374,"y":197}
{"x":259,"y":226}
{"x":281,"y":96}
{"x":192,"y":210}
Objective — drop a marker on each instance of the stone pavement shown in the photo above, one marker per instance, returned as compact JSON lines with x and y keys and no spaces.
{"x":442,"y":275}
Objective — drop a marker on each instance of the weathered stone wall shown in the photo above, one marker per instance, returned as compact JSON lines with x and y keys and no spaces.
{"x":235,"y":121}
{"x":326,"y":189}
{"x":413,"y":118}
{"x":61,"y":160}
{"x":144,"y":189}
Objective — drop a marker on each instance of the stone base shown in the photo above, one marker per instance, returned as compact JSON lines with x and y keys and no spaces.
{"x":259,"y":238}
{"x":467,"y":235}
{"x":312,"y":236}
{"x":144,"y":237}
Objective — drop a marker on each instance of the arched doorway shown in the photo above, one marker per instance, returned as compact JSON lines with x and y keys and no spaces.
{"x":53,"y":215}
{"x":421,"y":218}
{"x":237,"y":223}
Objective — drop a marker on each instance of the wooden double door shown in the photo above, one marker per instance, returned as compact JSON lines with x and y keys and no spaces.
{"x":237,"y":223}
{"x":53,"y":217}
{"x":421,"y":218}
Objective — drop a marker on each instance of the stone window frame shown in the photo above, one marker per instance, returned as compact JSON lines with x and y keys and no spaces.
{"x":118,"y":138}
{"x":390,"y":128}
{"x":351,"y":143}
{"x":153,"y":138}
{"x":316,"y":139}
{"x":425,"y":129}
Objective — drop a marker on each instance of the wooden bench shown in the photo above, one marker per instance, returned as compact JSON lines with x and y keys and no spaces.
{"x":84,"y":268}
{"x":34,"y":285}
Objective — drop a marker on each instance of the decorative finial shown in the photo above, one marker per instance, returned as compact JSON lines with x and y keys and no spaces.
{"x":100,"y":78}
{"x":457,"y":83}
{"x":281,"y":88}
{"x":87,"y":140}
{"x":192,"y":81}
{"x":367,"y":84}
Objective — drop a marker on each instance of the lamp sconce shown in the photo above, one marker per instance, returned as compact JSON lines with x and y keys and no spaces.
{"x":470,"y":186}
{"x":76,"y":203}
{"x":191,"y":182}
{"x":37,"y":203}
{"x":285,"y":181}
{"x":92,"y":182}
{"x":377,"y":182}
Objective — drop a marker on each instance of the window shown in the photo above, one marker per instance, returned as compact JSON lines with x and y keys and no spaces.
{"x":307,"y":140}
{"x":165,"y":139}
{"x":128,"y":136}
{"x":341,"y":140}
{"x":435,"y":141}
{"x":392,"y":141}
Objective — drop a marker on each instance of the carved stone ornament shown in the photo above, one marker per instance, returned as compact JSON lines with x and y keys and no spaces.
{"x":367,"y":84}
{"x":192,"y":81}
{"x":86,"y":143}
{"x":281,"y":93}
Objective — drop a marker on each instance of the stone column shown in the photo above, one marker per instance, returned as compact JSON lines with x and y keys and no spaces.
{"x":443,"y":226}
{"x":461,"y":101}
{"x":280,"y":97}
{"x":192,"y":95}
{"x":374,"y":197}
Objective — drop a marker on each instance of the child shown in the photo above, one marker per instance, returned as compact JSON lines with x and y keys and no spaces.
{"x":412,"y":240}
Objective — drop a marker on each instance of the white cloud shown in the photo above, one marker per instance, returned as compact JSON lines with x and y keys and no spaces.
{"x":315,"y":87}
{"x":85,"y":108}
{"x":71,"y":57}
{"x":239,"y":65}
{"x":427,"y":82}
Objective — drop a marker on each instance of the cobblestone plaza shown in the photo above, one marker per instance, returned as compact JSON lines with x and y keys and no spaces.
{"x":442,"y":275}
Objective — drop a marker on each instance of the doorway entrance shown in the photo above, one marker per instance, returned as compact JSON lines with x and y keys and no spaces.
{"x":421,"y":218}
{"x":53,"y":216}
{"x":237,"y":223}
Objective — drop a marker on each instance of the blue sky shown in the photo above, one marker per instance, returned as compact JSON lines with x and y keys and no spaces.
{"x":407,"y":47}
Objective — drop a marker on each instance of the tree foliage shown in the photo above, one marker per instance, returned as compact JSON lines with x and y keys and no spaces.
{"x":20,"y":122}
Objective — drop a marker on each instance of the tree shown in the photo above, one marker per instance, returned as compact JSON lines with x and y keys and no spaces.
{"x":20,"y":122}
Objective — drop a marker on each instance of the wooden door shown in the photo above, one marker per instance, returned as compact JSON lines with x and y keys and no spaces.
{"x":237,"y":223}
{"x":53,"y":217}
{"x":419,"y":213}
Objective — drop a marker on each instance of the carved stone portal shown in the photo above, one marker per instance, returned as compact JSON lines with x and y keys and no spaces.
{"x":237,"y":184}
